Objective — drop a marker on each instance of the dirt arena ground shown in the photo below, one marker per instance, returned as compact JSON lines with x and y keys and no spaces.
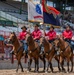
{"x":13,"y":72}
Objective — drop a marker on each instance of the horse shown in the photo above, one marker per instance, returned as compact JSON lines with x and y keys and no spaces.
{"x":34,"y":53}
{"x":18,"y":49}
{"x":49,"y":52}
{"x":65,"y":52}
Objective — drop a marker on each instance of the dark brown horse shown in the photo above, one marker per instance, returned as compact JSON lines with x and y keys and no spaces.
{"x":49,"y":52}
{"x":65,"y":53}
{"x":34,"y":53}
{"x":18,"y":49}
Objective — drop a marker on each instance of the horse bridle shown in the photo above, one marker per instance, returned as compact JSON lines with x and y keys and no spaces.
{"x":50,"y":49}
{"x":58,"y":47}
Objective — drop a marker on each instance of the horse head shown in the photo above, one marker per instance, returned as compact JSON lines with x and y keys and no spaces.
{"x":29,"y":38}
{"x":42,"y":40}
{"x":12,"y":38}
{"x":59,"y":42}
{"x":56,"y":43}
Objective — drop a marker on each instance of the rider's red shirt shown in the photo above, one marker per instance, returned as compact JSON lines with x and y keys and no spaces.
{"x":67,"y":34}
{"x":36,"y":34}
{"x":51,"y":35}
{"x":22,"y":35}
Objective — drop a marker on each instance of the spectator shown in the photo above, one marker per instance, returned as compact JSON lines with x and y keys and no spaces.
{"x":7,"y":49}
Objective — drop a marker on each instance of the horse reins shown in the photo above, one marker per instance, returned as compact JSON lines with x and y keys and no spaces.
{"x":66,"y":47}
{"x":50,"y":49}
{"x":19,"y":48}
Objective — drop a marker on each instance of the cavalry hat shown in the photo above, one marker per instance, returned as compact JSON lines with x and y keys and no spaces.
{"x":68,"y":25}
{"x":36,"y":25}
{"x":52,"y":27}
{"x":24,"y":27}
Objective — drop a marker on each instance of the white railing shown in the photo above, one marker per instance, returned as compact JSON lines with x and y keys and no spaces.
{"x":11,"y":17}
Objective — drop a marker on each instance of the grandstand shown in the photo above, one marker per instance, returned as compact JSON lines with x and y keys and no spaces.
{"x":15,"y":12}
{"x":12,"y":11}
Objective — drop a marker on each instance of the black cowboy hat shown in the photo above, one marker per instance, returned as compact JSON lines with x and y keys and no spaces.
{"x":68,"y":25}
{"x":36,"y":25}
{"x":24,"y":27}
{"x":52,"y":27}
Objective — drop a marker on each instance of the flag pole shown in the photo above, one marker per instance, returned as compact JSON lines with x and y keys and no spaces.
{"x":43,"y":19}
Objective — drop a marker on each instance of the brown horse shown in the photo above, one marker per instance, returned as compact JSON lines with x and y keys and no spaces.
{"x":34,"y":53}
{"x":65,"y":53}
{"x":18,"y":49}
{"x":49,"y":52}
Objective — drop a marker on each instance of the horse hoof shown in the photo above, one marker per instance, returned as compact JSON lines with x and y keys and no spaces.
{"x":64,"y":70}
{"x":52,"y":71}
{"x":46,"y":71}
{"x":60,"y":70}
{"x":22,"y":71}
{"x":28,"y":71}
{"x":16,"y":70}
{"x":71,"y":71}
{"x":67,"y":72}
{"x":36,"y":71}
{"x":43,"y":70}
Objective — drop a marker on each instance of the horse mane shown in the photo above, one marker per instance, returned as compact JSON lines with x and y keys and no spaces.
{"x":63,"y":43}
{"x":16,"y":39}
{"x":46,"y":42}
{"x":31,"y":40}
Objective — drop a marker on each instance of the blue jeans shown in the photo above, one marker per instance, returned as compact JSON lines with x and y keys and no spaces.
{"x":68,"y":40}
{"x":25,"y":46}
{"x":72,"y":43}
{"x":42,"y":48}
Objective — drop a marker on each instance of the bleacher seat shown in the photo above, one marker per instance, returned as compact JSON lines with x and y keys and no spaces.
{"x":13,"y":8}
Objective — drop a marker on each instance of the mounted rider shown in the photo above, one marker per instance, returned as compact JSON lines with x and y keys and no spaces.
{"x":68,"y":34}
{"x":51,"y":35}
{"x":22,"y":37}
{"x":37,"y":34}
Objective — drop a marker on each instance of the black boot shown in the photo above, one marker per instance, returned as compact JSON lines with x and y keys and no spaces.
{"x":26,"y":56}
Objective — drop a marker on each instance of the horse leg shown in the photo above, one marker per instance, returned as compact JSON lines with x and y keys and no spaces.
{"x":48,"y":66}
{"x":51,"y":66}
{"x":21,"y":66}
{"x":59,"y":66}
{"x":62,"y":63}
{"x":71,"y":64}
{"x":44,"y":62}
{"x":57,"y":58}
{"x":17,"y":67}
{"x":29,"y":64}
{"x":37,"y":65}
{"x":68,"y":66}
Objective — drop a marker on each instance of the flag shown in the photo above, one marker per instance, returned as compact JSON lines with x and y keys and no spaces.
{"x":50,"y":15}
{"x":35,"y":12}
